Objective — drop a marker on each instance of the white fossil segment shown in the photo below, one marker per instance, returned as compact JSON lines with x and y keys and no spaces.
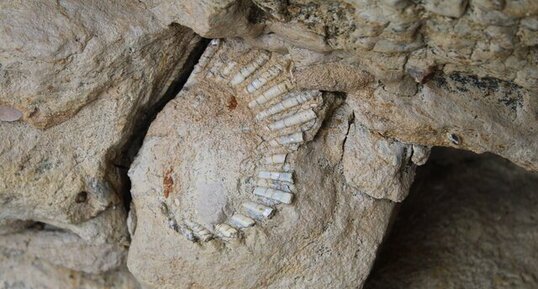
{"x":182,"y":229}
{"x":172,"y":224}
{"x":258,"y":211}
{"x":293,"y":138}
{"x":270,"y":94}
{"x":277,"y":176}
{"x":187,"y":233}
{"x":199,"y":231}
{"x":226,"y":230}
{"x":228,"y":68}
{"x":214,"y":70}
{"x":288,"y":103}
{"x":241,"y":221}
{"x":294,"y":119}
{"x":206,"y":57}
{"x":273,"y":194}
{"x":287,"y":168}
{"x":278,"y":185}
{"x":249,"y":69}
{"x":265,"y":77}
{"x":275,"y":159}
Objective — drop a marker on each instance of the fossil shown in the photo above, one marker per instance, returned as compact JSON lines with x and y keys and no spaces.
{"x":265,"y":77}
{"x":241,"y":221}
{"x":275,"y":159}
{"x":258,"y":211}
{"x":284,"y":119}
{"x":226,"y":231}
{"x":250,"y":68}
{"x":288,"y":103}
{"x":271,"y":93}
{"x":274,"y":194}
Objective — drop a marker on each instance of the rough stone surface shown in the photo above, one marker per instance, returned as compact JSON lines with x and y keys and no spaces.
{"x":77,"y":81}
{"x":212,"y":19}
{"x":470,"y":221}
{"x":457,"y":110}
{"x":377,"y":166}
{"x":64,"y":249}
{"x":29,"y":273}
{"x":481,"y":48}
{"x":69,"y":173}
{"x":58,"y":56}
{"x":390,"y":38}
{"x":200,"y":161}
{"x":317,"y":111}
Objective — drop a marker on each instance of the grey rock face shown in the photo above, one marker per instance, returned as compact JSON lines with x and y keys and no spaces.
{"x":470,"y":221}
{"x":377,"y":166}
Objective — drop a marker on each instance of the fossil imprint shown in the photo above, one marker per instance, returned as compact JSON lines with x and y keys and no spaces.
{"x":284,"y":117}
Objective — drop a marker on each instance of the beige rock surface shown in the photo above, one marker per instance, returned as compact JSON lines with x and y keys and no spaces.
{"x":70,"y":172}
{"x":457,"y":110}
{"x":389,"y":38}
{"x":281,"y":161}
{"x":204,"y":157}
{"x":64,"y":249}
{"x":484,"y":49}
{"x":58,"y":56}
{"x":211,"y":19}
{"x":377,"y":166}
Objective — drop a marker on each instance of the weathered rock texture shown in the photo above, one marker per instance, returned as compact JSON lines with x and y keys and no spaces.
{"x":16,"y":272}
{"x":76,"y":80}
{"x":459,"y":69}
{"x":59,"y":56}
{"x":391,"y":38}
{"x":278,"y":165}
{"x":205,"y":155}
{"x":469,"y":222}
{"x":66,"y":173}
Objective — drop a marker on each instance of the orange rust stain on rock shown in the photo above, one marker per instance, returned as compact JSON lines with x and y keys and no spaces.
{"x":232,"y":103}
{"x":168,"y":183}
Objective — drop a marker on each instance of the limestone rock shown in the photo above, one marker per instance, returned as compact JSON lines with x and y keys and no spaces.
{"x":8,"y":226}
{"x":457,"y":110}
{"x":484,"y":114}
{"x":27,"y":273}
{"x":279,"y":163}
{"x":343,"y":45}
{"x":376,"y":166}
{"x":71,"y":172}
{"x":241,"y":174}
{"x":381,"y":36}
{"x":73,"y":93}
{"x":450,"y":8}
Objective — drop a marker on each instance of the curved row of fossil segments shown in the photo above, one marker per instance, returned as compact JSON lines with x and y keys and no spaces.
{"x":286,"y":118}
